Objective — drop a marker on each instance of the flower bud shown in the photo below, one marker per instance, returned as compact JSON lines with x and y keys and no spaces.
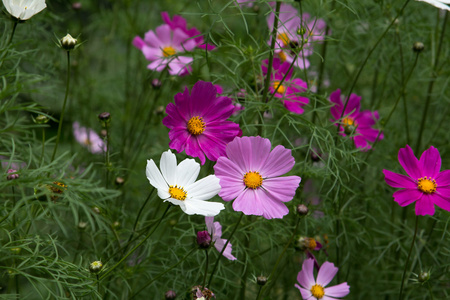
{"x":418,"y":47}
{"x":12,"y":174}
{"x":261,"y":280}
{"x":41,"y":119}
{"x":156,"y":83}
{"x":203,"y":239}
{"x":170,"y":295}
{"x":302,"y":209}
{"x":424,"y":276}
{"x":97,"y":210}
{"x":103,"y":133}
{"x":76,"y":6}
{"x":104,"y":118}
{"x":82,"y":225}
{"x":116,"y":225}
{"x":119,"y":181}
{"x":15,"y":250}
{"x":68,"y":42}
{"x":95,"y":266}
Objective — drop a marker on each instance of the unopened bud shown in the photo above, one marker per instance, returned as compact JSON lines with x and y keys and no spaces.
{"x":424,"y":276}
{"x":302,"y":209}
{"x":159,"y":110}
{"x":96,"y":210}
{"x":82,"y":225}
{"x":76,"y":6}
{"x":418,"y":47}
{"x":68,"y":42}
{"x":95,"y":266}
{"x":41,"y":119}
{"x":170,"y":295}
{"x":261,"y":280}
{"x":104,"y":118}
{"x":12,"y":174}
{"x":156,"y":83}
{"x":116,"y":225}
{"x":203,"y":239}
{"x":119,"y":181}
{"x":103,"y":133}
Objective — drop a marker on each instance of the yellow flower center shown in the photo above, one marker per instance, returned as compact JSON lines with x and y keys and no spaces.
{"x":168,"y":51}
{"x":317,"y":291}
{"x":312,"y":244}
{"x":87,"y":142}
{"x":427,"y":185}
{"x":177,"y":192}
{"x":252,"y":180}
{"x":196,"y":125}
{"x":284,"y":38}
{"x":282,"y":56}
{"x":278,"y":87}
{"x":349,"y":125}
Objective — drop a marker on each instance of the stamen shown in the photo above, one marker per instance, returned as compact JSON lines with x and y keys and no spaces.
{"x":168,"y":51}
{"x":317,"y":291}
{"x":427,"y":185}
{"x":253,"y":180}
{"x":349,"y":125}
{"x":177,"y":192}
{"x":278,"y":87}
{"x":284,"y":38}
{"x":282,"y":56}
{"x":196,"y":125}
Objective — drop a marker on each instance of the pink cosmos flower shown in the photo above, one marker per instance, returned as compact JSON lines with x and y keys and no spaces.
{"x":292,"y":38}
{"x":163,"y":46}
{"x":355,"y":123}
{"x":311,"y":288}
{"x":289,"y":90}
{"x":197,"y":122}
{"x":193,"y":33}
{"x":245,"y":2}
{"x":250,"y":173}
{"x":215,"y":230}
{"x":425,"y":185}
{"x":237,"y":106}
{"x":88,"y":138}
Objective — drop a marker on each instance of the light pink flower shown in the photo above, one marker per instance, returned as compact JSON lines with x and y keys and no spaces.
{"x":425,"y":184}
{"x":215,"y":230}
{"x":311,"y":288}
{"x":88,"y":138}
{"x":250,"y":174}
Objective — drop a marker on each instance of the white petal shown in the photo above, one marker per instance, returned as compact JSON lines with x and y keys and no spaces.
{"x":187,"y":172}
{"x":6,"y":4}
{"x":155,"y":178}
{"x":204,"y":208}
{"x":204,"y":189}
{"x":438,"y":4}
{"x":168,"y":166}
{"x":176,"y":202}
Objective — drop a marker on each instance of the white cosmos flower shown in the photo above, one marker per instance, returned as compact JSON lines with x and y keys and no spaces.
{"x":24,"y":9}
{"x":177,"y":185}
{"x":438,"y":3}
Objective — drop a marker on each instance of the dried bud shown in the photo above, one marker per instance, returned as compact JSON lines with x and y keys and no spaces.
{"x":119,"y":181}
{"x":103,"y":133}
{"x":302,"y":209}
{"x":82,"y":225}
{"x":203,"y":239}
{"x":261,"y":280}
{"x":170,"y":295}
{"x":95,"y":267}
{"x":41,"y":119}
{"x":306,"y":243}
{"x":156,"y":83}
{"x":104,"y":118}
{"x":424,"y":276}
{"x":418,"y":47}
{"x":76,"y":6}
{"x":160,"y":110}
{"x":12,"y":174}
{"x":68,"y":42}
{"x":97,"y":210}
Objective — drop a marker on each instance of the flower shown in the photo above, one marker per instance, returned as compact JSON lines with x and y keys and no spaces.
{"x":23,"y":10}
{"x":357,"y":124}
{"x":438,"y":3}
{"x":194,"y":33}
{"x":311,"y":288}
{"x":162,"y":47}
{"x":295,"y":35}
{"x":425,"y":184}
{"x":176,"y":184}
{"x":88,"y":138}
{"x":197,"y":122}
{"x":203,"y":239}
{"x":250,"y":173}
{"x":215,"y":230}
{"x":12,"y":174}
{"x":68,"y":42}
{"x":288,"y":90}
{"x":245,"y":2}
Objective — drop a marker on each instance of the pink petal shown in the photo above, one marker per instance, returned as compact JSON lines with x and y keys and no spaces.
{"x":306,"y":276}
{"x":430,"y":162}
{"x":164,"y":34}
{"x":138,"y":42}
{"x":244,"y":153}
{"x":443,"y":178}
{"x":408,"y":196}
{"x":281,"y":188}
{"x":326,"y":273}
{"x":442,"y":202}
{"x":272,"y":208}
{"x":398,"y":180}
{"x":209,"y":226}
{"x":340,"y":290}
{"x":220,"y":243}
{"x":306,"y":294}
{"x":425,"y":205}
{"x":249,"y":203}
{"x":279,"y":162}
{"x":409,"y":162}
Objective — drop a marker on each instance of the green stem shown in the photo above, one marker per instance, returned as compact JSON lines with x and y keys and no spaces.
{"x":224,"y":247}
{"x":98,"y":285}
{"x":9,"y":42}
{"x":259,"y":292}
{"x":407,"y":259}
{"x":63,"y":108}
{"x":206,"y":268}
{"x":366,"y":60}
{"x":107,"y":161}
{"x":431,"y":85}
{"x":43,"y":147}
{"x":137,"y":246}
{"x":163,"y":273}
{"x":279,"y":259}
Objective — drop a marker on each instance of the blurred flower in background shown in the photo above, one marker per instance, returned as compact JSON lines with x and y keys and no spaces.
{"x":24,"y":9}
{"x":88,"y":138}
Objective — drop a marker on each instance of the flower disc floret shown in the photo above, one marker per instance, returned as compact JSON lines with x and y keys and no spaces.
{"x":168,"y":51}
{"x":177,"y":192}
{"x":196,"y":125}
{"x":278,"y":88}
{"x":427,"y":185}
{"x":253,"y":180}
{"x":317,"y":291}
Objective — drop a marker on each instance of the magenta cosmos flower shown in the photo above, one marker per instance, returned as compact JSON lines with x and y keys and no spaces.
{"x":311,"y":288}
{"x":426,"y":185}
{"x":288,"y":91}
{"x":88,"y":138}
{"x":215,"y":230}
{"x":355,"y":123}
{"x":292,"y":38}
{"x":250,"y":174}
{"x":197,"y":122}
{"x":163,"y":46}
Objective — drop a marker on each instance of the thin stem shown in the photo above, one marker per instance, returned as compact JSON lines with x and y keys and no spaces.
{"x":98,"y":285}
{"x":366,"y":60}
{"x":430,"y":291}
{"x":9,"y":41}
{"x":279,"y":258}
{"x":163,"y":273}
{"x":206,"y":268}
{"x":431,"y":85}
{"x":63,"y":108}
{"x":407,"y":259}
{"x":223,"y":249}
{"x":43,"y":147}
{"x":259,"y":292}
{"x":137,"y":246}
{"x":272,"y":50}
{"x":107,"y":161}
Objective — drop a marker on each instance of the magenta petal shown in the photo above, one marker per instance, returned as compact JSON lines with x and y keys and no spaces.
{"x":406,"y":197}
{"x":409,"y":162}
{"x":340,"y":290}
{"x":279,"y":162}
{"x":441,"y":201}
{"x":430,"y":162}
{"x":425,"y":205}
{"x":443,"y":178}
{"x":398,"y":180}
{"x":281,"y":188}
